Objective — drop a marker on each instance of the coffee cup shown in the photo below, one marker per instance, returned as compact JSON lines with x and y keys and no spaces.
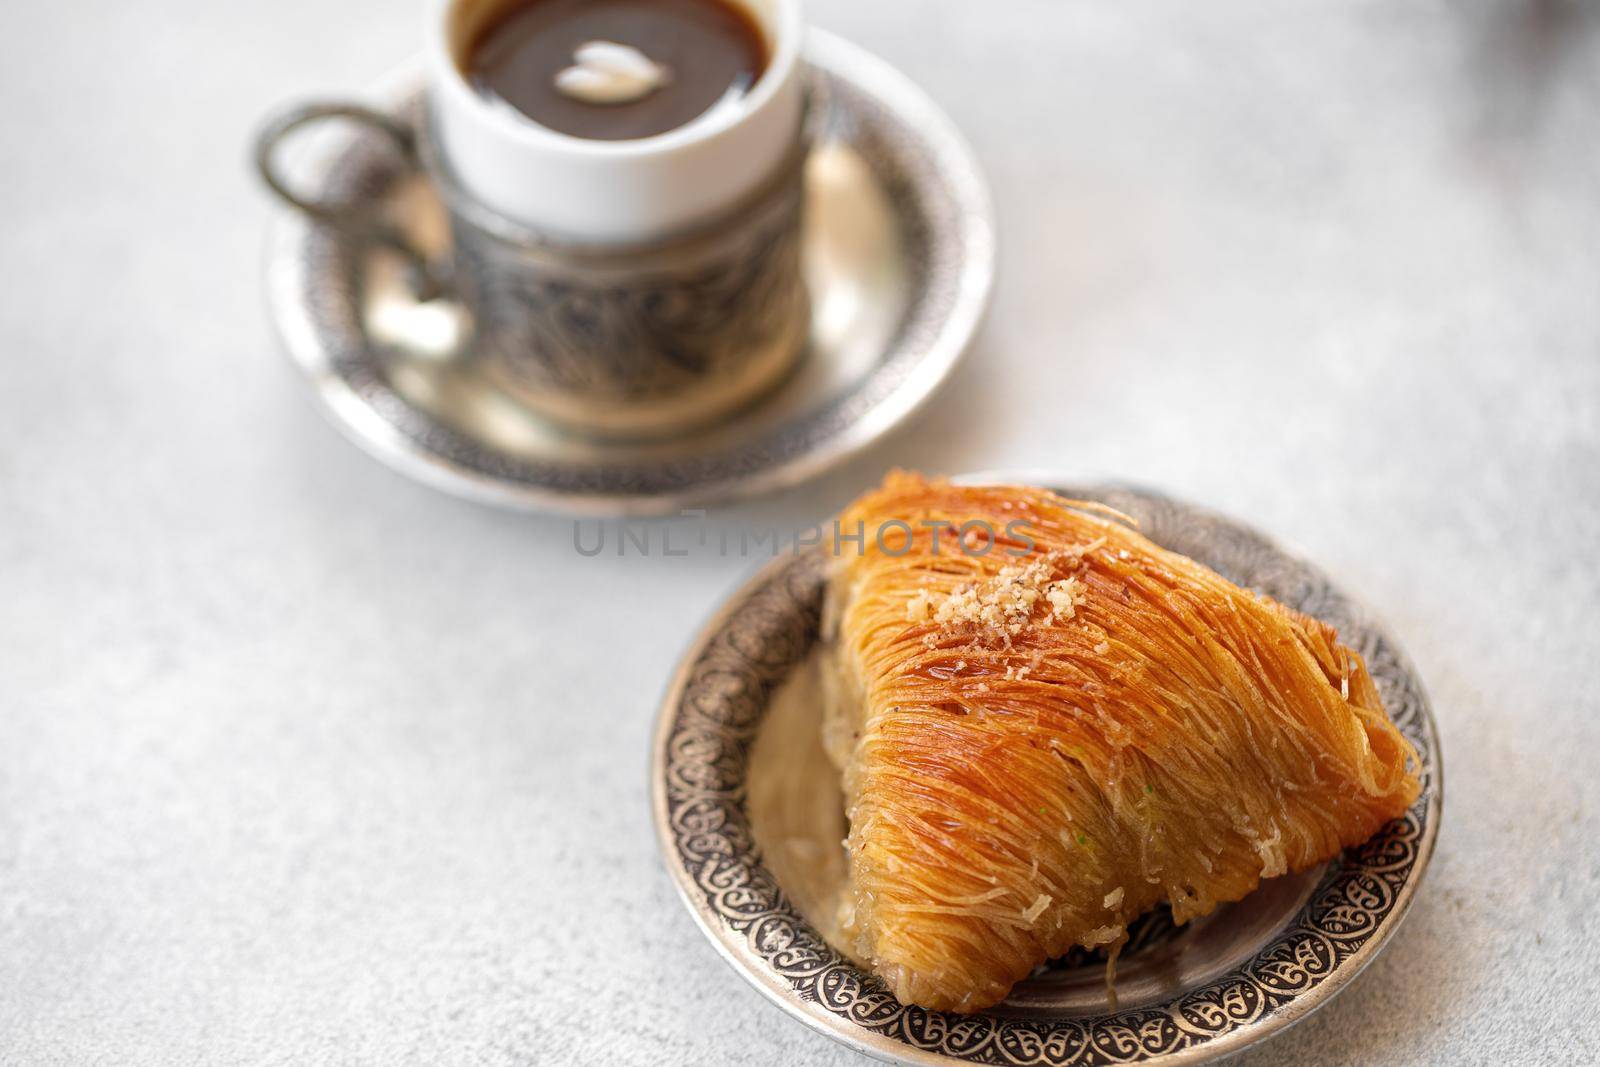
{"x":621,"y":286}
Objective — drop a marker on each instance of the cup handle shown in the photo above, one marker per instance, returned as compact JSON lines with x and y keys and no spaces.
{"x":426,"y":278}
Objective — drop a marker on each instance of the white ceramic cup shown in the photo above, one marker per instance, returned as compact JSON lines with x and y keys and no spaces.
{"x":612,"y":192}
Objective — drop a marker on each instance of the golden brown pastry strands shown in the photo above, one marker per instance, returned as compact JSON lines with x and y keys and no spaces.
{"x":1042,"y":742}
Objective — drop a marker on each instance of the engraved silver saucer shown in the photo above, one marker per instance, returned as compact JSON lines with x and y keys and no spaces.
{"x":1186,"y":995}
{"x":899,"y":257}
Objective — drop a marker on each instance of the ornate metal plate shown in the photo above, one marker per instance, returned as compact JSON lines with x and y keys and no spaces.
{"x":1187,"y":994}
{"x":899,"y":258}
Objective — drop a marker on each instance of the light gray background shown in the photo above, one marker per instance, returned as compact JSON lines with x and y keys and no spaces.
{"x":302,"y":763}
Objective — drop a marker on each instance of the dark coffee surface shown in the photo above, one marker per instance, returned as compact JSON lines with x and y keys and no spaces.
{"x":709,"y":47}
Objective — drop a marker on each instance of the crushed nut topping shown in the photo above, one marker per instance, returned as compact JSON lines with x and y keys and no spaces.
{"x":1007,"y":601}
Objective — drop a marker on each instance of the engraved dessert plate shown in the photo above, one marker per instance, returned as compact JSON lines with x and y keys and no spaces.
{"x":748,"y":836}
{"x":898,"y":252}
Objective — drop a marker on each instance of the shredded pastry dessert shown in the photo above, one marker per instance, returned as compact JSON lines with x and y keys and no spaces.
{"x":1043,"y":740}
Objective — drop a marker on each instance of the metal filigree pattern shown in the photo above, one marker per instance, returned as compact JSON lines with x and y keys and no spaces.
{"x":653,"y":324}
{"x":711,"y":718}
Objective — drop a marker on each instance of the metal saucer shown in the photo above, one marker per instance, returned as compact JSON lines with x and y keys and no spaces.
{"x":1186,"y":995}
{"x":900,"y":258}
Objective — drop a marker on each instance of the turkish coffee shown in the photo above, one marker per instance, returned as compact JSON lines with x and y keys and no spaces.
{"x":615,"y":70}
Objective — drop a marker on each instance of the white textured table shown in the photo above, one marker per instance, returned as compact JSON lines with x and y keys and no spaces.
{"x":301,"y":763}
